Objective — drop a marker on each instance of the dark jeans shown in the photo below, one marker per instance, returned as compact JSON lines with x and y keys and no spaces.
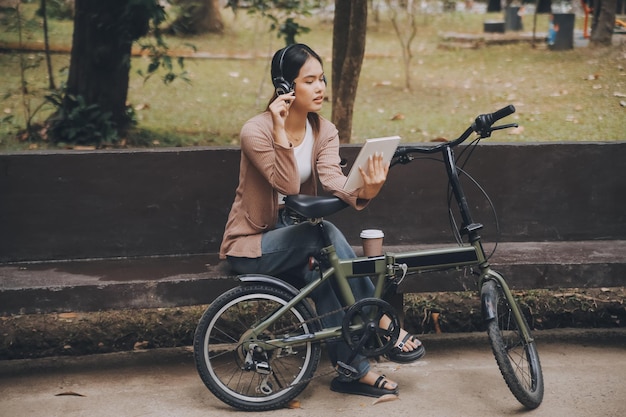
{"x":286,"y":251}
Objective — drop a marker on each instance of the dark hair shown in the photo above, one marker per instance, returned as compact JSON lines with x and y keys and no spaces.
{"x":287,"y":63}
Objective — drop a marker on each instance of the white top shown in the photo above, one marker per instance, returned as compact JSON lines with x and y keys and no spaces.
{"x":304,"y":158}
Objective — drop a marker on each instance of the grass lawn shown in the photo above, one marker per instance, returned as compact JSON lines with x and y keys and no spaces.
{"x":573,"y":95}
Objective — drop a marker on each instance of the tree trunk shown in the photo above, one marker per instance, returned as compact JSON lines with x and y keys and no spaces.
{"x":602,"y":31}
{"x":197,"y":17}
{"x":349,"y":29}
{"x":101,"y":52}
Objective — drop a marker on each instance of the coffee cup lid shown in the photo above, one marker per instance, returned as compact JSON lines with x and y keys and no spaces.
{"x":372,"y":234}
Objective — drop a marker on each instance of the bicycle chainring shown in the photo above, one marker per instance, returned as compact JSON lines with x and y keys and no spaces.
{"x":361,"y":329}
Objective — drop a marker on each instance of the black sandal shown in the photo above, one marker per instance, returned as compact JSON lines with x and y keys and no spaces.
{"x":398,"y":355}
{"x":360,"y":388}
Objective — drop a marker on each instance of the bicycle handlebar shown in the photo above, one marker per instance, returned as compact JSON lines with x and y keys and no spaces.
{"x":483,"y":125}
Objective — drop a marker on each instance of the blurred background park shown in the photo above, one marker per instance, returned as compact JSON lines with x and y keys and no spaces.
{"x":428,"y":68}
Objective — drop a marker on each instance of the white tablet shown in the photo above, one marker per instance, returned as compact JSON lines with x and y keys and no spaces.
{"x":385,"y":146}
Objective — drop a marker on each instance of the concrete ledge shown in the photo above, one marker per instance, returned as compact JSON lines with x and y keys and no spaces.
{"x":527,"y":265}
{"x":93,"y":230}
{"x":140,"y":203}
{"x":103,"y":284}
{"x":92,"y":285}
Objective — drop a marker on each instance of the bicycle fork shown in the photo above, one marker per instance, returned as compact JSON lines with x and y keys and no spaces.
{"x":488,"y":301}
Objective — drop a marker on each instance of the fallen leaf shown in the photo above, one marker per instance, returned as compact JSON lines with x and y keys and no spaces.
{"x":385,"y":398}
{"x":559,"y":93}
{"x":398,"y":116}
{"x":435,"y":317}
{"x":71,"y":393}
{"x":141,"y":345}
{"x":293,"y":404}
{"x":68,"y":315}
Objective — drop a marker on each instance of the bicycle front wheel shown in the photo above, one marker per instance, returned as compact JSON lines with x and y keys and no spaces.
{"x":517,"y":359}
{"x":254,"y":378}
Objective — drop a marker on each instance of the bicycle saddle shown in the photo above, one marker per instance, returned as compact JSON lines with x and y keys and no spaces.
{"x":313,"y":207}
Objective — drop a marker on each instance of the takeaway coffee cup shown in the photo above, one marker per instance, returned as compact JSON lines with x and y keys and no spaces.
{"x":372,"y":240}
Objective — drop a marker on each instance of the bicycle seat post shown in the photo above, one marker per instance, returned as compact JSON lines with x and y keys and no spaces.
{"x":330,"y":259}
{"x":323,"y":233}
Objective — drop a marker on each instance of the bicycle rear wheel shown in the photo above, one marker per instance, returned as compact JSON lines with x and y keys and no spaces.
{"x":255,"y":379}
{"x":517,"y":359}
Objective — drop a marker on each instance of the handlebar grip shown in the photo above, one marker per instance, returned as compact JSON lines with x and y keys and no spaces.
{"x":482,"y":124}
{"x":502,"y":113}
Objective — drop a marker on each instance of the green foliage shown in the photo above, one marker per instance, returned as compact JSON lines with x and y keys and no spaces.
{"x":58,"y":9}
{"x":24,"y":27}
{"x":279,"y":13}
{"x":160,"y":59}
{"x":79,"y":123}
{"x":289,"y":29}
{"x":158,"y":49}
{"x":12,"y":20}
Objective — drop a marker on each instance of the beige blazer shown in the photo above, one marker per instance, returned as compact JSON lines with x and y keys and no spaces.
{"x":266,"y":169}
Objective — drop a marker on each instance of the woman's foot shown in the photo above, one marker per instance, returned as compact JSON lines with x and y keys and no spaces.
{"x":371,"y":385}
{"x":406,"y":342}
{"x":408,"y":347}
{"x":379,"y":381}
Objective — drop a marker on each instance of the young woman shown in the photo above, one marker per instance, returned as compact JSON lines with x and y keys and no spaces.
{"x":286,"y":150}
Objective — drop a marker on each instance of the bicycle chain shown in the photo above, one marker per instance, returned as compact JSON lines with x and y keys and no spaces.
{"x":311,"y":320}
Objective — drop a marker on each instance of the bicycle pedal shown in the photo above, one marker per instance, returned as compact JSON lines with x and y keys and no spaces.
{"x":345,"y":369}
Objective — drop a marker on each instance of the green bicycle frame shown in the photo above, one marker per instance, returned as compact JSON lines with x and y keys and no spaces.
{"x":381,"y":268}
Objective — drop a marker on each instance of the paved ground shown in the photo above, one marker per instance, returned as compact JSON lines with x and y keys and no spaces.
{"x":458,"y":377}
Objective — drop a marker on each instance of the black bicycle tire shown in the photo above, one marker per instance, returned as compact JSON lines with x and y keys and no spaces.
{"x":217,"y":387}
{"x":528,"y":391}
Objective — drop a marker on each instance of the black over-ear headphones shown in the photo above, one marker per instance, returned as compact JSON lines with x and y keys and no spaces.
{"x":281,"y":85}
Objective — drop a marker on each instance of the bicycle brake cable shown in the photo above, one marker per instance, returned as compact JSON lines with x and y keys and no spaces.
{"x":472,"y":147}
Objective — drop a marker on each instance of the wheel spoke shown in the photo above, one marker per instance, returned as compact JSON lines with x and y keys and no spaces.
{"x":517,"y":359}
{"x":244,"y":371}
